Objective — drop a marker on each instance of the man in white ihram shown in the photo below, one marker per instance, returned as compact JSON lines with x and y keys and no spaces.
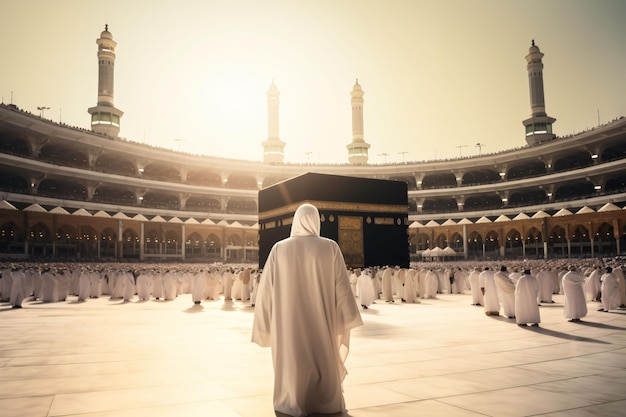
{"x":304,"y":312}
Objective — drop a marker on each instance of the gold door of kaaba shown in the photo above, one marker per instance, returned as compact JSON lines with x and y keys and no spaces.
{"x":351,"y":240}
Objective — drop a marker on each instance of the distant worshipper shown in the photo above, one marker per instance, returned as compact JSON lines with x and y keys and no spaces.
{"x":622,"y":285}
{"x":545,"y":278}
{"x":490,"y":294}
{"x":17,"y":288}
{"x":506,"y":292}
{"x":305,"y":311}
{"x":526,"y":307}
{"x":477,"y":296}
{"x":610,"y":291}
{"x":593,"y":284}
{"x":575,"y":304}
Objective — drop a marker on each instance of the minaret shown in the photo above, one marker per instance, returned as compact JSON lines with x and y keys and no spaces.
{"x":273,"y":147}
{"x":105,"y":118}
{"x":357,"y":150}
{"x":539,"y":125}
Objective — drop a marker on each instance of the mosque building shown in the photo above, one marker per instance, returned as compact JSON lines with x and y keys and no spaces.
{"x":74,"y":193}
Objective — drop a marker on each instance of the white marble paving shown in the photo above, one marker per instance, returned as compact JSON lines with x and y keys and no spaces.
{"x":443,"y":357}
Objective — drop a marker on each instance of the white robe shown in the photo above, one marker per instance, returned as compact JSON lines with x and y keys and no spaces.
{"x":506,"y":292}
{"x":84,"y":286}
{"x":365,"y":289}
{"x":17,"y":288}
{"x":410,"y":286}
{"x":129,"y":285}
{"x":49,"y":287}
{"x":431,"y":285}
{"x":387,"y":284}
{"x":575,"y":305}
{"x":610,"y":291}
{"x":592,"y":285}
{"x":622,"y":285}
{"x":197,"y":287}
{"x":144,"y":286}
{"x":477,"y":296}
{"x":490,"y":297}
{"x":304,"y":311}
{"x":526,"y":308}
{"x":546,"y":286}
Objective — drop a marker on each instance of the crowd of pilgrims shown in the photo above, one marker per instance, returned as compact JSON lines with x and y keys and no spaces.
{"x":516,"y":290}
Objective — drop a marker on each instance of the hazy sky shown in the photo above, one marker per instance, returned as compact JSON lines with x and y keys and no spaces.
{"x":437,"y":75}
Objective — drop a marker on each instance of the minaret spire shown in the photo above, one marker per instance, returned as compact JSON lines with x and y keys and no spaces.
{"x":273,"y":147}
{"x":105,"y":118}
{"x":358,"y":149}
{"x":539,"y":125}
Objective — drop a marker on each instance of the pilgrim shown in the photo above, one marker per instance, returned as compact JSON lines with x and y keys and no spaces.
{"x":305,"y":311}
{"x":506,"y":292}
{"x":477,"y":296}
{"x":490,"y":294}
{"x":526,"y":307}
{"x":575,"y":305}
{"x":610,"y":290}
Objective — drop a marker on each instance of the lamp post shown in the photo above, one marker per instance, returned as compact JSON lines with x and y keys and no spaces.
{"x":41,"y":110}
{"x":480,"y":147}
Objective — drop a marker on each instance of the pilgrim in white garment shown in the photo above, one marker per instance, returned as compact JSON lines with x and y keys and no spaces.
{"x":398,"y":281}
{"x":28,"y":282}
{"x":116,"y":280}
{"x":515,"y":275}
{"x":610,"y":291}
{"x":376,"y":282}
{"x":63,"y":284}
{"x":129,"y":285}
{"x":104,"y":282}
{"x":245,"y":284}
{"x":387,"y":285}
{"x":365,"y":289}
{"x":592,"y":285}
{"x":228,"y":281}
{"x":256,"y":275}
{"x":431,"y":284}
{"x":7,"y":284}
{"x":235,"y":293}
{"x":158,"y":291}
{"x":353,"y":280}
{"x":305,"y":311}
{"x":212,"y":285}
{"x":506,"y":292}
{"x":556,"y":281}
{"x":546,"y":286}
{"x":526,"y":307}
{"x":619,"y":273}
{"x":74,"y":281}
{"x":144,"y":285}
{"x":560,"y":275}
{"x":490,"y":294}
{"x":37,"y":284}
{"x":575,"y":304}
{"x":49,"y":284}
{"x":410,"y":286}
{"x":444,"y":281}
{"x":197,"y":288}
{"x":17,"y":288}
{"x":459,"y":283}
{"x":169,"y":285}
{"x":95,"y":284}
{"x":84,"y":285}
{"x":477,"y":295}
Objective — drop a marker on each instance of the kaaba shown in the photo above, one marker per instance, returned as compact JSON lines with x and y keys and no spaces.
{"x":368,"y":218}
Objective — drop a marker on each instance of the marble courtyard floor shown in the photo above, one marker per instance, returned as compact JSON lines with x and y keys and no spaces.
{"x":443,"y":357}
